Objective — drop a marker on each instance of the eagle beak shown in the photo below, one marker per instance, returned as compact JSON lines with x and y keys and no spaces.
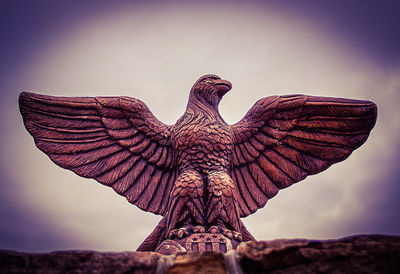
{"x":222,"y":87}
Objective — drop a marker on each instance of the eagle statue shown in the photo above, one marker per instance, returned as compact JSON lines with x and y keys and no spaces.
{"x":201,"y":174}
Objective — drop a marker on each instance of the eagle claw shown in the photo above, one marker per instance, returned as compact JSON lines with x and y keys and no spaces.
{"x":214,"y":229}
{"x":184,"y":231}
{"x":230,"y":234}
{"x":178,"y":233}
{"x":199,"y":229}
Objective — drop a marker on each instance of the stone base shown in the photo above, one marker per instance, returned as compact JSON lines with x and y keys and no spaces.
{"x":357,"y":254}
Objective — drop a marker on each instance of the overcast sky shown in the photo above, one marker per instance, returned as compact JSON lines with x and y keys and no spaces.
{"x":155,"y":52}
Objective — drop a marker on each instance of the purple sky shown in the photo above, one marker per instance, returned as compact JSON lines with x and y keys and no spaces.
{"x":155,"y":52}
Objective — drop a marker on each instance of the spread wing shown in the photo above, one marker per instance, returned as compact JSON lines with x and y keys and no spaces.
{"x":283,"y":139}
{"x":115,"y":140}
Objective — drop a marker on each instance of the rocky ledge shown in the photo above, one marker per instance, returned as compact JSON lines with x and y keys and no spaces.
{"x":356,"y":254}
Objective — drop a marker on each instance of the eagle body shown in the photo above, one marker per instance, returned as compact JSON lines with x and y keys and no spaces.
{"x":204,"y":189}
{"x":198,"y":137}
{"x":201,"y":174}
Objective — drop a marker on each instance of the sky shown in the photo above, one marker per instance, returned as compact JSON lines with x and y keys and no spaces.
{"x":155,"y":52}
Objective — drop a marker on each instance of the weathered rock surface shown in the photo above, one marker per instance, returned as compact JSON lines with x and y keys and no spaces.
{"x":78,"y":262}
{"x":357,"y":254}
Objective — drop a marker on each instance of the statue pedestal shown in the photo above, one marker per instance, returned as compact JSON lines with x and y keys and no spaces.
{"x":197,"y":242}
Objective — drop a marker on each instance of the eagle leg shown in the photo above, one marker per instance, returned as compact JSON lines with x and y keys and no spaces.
{"x":186,"y":207}
{"x":222,"y":207}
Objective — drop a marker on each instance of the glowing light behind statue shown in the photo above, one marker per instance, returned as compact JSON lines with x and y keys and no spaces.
{"x":98,"y":54}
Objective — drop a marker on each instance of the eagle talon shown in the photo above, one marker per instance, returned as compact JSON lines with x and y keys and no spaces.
{"x":178,"y":233}
{"x":172,"y":233}
{"x":227,"y":233}
{"x":182,"y":232}
{"x":237,"y":236}
{"x":214,"y":229}
{"x":231,"y":234}
{"x":199,"y":229}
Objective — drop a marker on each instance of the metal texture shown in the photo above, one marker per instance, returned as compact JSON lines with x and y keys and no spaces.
{"x":201,"y":174}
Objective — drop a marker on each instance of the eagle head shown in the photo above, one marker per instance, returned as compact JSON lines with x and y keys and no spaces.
{"x":210,"y":89}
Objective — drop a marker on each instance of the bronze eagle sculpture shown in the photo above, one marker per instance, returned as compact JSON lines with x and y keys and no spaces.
{"x":201,"y":174}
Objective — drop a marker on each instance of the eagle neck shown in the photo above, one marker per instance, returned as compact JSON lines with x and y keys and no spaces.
{"x":202,"y":110}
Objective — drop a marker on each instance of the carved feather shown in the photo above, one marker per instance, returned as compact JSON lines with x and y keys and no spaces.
{"x":296,"y":136}
{"x":115,"y":140}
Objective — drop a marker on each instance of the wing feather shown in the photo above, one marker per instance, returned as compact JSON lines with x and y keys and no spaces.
{"x":156,"y":201}
{"x":244,"y":209}
{"x":168,"y":189}
{"x":145,"y":196}
{"x":269,"y":188}
{"x":256,"y":192}
{"x":249,"y":200}
{"x":115,"y":140}
{"x":87,"y":157}
{"x":141,"y":179}
{"x":115,"y":173}
{"x":281,"y":140}
{"x":54,"y":146}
